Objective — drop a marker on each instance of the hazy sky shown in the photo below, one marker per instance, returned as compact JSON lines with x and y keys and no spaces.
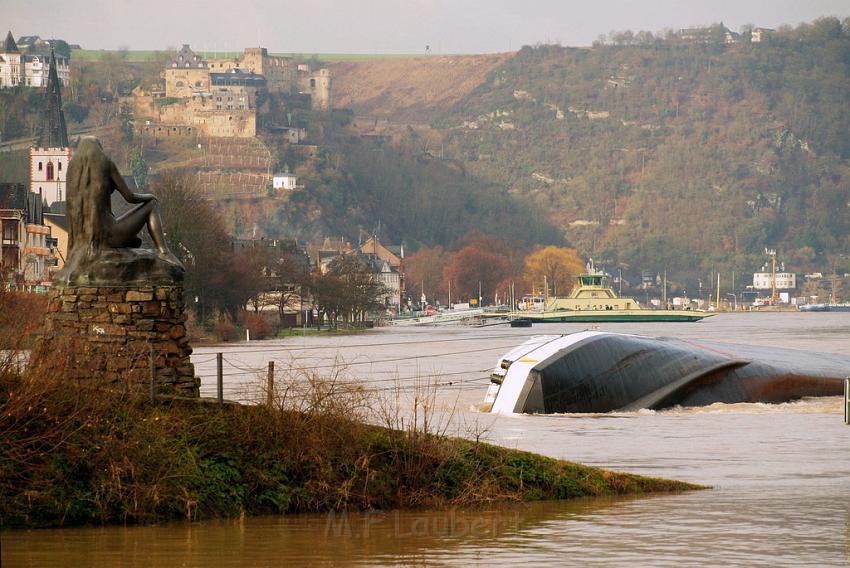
{"x":382,"y":26}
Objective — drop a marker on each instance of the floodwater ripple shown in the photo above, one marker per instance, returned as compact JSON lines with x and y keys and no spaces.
{"x":780,"y":473}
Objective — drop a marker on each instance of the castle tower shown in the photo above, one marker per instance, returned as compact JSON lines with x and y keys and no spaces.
{"x":51,"y":153}
{"x":320,"y":90}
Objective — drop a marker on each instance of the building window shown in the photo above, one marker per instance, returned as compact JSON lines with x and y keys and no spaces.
{"x":60,"y":166}
{"x":49,"y":171}
{"x":40,"y":168}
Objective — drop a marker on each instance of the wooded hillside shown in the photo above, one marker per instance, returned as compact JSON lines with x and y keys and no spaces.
{"x":667,"y":155}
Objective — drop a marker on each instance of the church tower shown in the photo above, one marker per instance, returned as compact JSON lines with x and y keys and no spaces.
{"x":51,"y":153}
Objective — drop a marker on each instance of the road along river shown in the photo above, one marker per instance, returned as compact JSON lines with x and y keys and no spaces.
{"x":781,"y":473}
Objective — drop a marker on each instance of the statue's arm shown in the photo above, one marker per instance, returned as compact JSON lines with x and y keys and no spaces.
{"x":125,"y":192}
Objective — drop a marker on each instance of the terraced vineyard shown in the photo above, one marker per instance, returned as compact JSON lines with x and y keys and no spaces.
{"x":233,"y":168}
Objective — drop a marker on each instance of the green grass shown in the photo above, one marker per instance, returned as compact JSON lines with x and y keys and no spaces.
{"x":334,"y":57}
{"x":140,"y":56}
{"x":96,"y":54}
{"x":300,"y":331}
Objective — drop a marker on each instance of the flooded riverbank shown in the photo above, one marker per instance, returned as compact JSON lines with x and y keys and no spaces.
{"x":781,"y":472}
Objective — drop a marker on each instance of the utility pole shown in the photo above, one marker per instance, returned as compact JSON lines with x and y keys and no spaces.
{"x":733,"y":290}
{"x":773,"y":294}
{"x":717,"y":302}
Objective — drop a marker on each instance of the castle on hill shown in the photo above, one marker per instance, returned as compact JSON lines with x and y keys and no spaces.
{"x":218,"y":97}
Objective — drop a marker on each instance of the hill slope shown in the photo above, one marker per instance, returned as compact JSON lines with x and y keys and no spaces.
{"x":409,"y":90}
{"x":690,"y":158}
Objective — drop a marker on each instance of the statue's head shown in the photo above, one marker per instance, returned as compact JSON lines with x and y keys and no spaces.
{"x":89,"y":145}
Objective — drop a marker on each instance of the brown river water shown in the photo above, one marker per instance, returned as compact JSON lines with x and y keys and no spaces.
{"x":780,"y":473}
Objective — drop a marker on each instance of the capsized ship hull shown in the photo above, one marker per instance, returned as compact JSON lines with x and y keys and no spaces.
{"x":603,"y":372}
{"x":825,"y":308}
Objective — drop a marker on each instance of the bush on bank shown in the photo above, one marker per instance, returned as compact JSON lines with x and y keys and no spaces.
{"x":76,"y":454}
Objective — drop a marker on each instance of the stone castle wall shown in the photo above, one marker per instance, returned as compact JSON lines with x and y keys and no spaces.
{"x":113,"y":329}
{"x":199,"y":116}
{"x":181,"y":82}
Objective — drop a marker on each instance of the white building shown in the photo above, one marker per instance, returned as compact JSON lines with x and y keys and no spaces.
{"x":284,"y":181}
{"x":784,"y":281}
{"x":48,"y":171}
{"x":29,"y":68}
{"x":758,"y":34}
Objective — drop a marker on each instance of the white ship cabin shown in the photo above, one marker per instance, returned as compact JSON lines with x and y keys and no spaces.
{"x":592,"y":293}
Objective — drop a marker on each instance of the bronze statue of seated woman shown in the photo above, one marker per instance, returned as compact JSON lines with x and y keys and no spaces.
{"x":104,"y":249}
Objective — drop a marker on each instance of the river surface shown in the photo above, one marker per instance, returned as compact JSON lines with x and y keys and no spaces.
{"x":780,"y":473}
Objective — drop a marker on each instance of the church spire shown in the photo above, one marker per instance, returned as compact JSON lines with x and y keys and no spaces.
{"x":52,"y":131}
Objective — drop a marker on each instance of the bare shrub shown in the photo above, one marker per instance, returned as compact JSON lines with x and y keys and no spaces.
{"x":225,"y":330}
{"x":258,"y":325}
{"x":21,"y":314}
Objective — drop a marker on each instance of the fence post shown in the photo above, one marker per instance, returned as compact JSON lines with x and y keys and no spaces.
{"x":270,"y":386}
{"x":153,"y":374}
{"x":219,"y":378}
{"x":847,"y":401}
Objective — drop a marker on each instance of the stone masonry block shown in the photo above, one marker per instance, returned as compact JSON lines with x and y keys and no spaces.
{"x":134,"y":296}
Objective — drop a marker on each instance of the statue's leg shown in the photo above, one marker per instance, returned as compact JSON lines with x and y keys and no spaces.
{"x":155,"y":230}
{"x":146,"y":214}
{"x":127,"y":226}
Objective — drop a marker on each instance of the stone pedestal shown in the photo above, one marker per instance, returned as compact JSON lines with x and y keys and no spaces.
{"x":114,"y":332}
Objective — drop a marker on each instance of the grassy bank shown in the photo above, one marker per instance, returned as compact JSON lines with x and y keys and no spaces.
{"x":75,"y":454}
{"x":340,"y":330}
{"x":83,"y":451}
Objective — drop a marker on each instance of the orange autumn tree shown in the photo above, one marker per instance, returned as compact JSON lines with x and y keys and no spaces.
{"x":471,"y":268}
{"x":558,"y":266}
{"x":424,"y":269}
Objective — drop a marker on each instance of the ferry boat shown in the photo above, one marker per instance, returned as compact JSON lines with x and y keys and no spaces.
{"x":592,"y":300}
